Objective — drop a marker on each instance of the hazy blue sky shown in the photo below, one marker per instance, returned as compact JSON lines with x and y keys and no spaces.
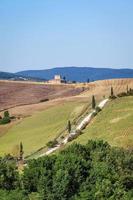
{"x":38,"y":34}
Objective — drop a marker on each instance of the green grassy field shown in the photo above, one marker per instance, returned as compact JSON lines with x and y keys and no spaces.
{"x":114,"y":124}
{"x":37,"y":130}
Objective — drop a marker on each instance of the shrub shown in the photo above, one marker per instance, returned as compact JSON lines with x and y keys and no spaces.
{"x":6,"y":114}
{"x":130,"y":92}
{"x":122,"y":94}
{"x":52,"y":144}
{"x":12,"y":117}
{"x":94,"y":114}
{"x":5,"y":120}
{"x":112,"y":97}
{"x":43,"y":100}
{"x":98,"y":109}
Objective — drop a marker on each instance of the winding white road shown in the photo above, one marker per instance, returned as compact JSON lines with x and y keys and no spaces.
{"x":79,"y":128}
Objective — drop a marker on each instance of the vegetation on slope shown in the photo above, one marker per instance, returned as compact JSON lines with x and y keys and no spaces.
{"x":114,"y":124}
{"x":95,"y":171}
{"x":36,"y":131}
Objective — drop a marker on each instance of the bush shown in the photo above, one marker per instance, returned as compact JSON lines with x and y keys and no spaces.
{"x":52,"y":144}
{"x":5,"y":120}
{"x":12,"y":117}
{"x":43,"y":100}
{"x":130,"y":92}
{"x":112,"y":97}
{"x":122,"y":94}
{"x":94,"y":114}
{"x":6,"y":114}
{"x":98,"y":109}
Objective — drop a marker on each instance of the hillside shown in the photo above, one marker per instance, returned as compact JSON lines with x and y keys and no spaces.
{"x":114,"y":124}
{"x":6,"y":75}
{"x":19,"y":93}
{"x":38,"y":123}
{"x":17,"y":77}
{"x":80,"y":74}
{"x":35,"y":131}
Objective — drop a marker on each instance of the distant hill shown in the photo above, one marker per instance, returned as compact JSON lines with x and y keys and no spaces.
{"x":18,"y":77}
{"x":80,"y":74}
{"x":6,"y":75}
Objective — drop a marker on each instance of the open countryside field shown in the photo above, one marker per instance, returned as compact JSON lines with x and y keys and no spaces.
{"x":40,"y":128}
{"x":13,"y":93}
{"x":42,"y":122}
{"x":114,"y":124}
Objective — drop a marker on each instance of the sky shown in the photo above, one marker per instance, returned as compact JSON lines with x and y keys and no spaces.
{"x":40,"y":34}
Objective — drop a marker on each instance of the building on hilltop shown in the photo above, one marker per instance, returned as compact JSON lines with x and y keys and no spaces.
{"x":57,"y":80}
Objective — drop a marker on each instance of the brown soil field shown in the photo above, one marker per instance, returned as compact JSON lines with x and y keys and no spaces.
{"x":23,"y":99}
{"x":17,"y":93}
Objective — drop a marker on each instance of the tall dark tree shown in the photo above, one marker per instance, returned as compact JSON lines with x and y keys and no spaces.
{"x":112,"y":92}
{"x":88,"y":80}
{"x":93,"y":102}
{"x":21,"y":153}
{"x":64,"y":78}
{"x":69,"y":127}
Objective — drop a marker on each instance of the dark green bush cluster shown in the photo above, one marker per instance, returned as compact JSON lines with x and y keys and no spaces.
{"x":98,"y":109}
{"x":6,"y":118}
{"x":43,"y":100}
{"x":128,"y":93}
{"x":52,"y":144}
{"x":94,"y":171}
{"x":112,"y":97}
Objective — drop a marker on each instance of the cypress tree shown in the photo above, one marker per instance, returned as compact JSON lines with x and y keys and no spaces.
{"x":93,"y":102}
{"x":21,"y":151}
{"x":69,"y":126}
{"x":112,"y":92}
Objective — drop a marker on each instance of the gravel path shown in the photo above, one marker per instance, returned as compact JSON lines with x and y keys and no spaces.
{"x":78,"y":129}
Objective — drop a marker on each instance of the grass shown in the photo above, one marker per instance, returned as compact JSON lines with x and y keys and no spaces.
{"x":114,"y":124}
{"x":35,"y":131}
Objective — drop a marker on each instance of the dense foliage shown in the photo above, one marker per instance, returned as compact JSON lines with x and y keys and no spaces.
{"x":6,"y":118}
{"x":94,"y":171}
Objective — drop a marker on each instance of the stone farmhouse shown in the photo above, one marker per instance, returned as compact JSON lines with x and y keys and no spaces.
{"x":57,"y":80}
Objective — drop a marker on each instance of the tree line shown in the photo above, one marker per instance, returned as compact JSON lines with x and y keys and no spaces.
{"x":95,"y":171}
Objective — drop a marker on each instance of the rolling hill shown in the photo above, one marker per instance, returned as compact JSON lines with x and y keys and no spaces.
{"x":14,"y":93}
{"x":114,"y":124}
{"x":41,"y":122}
{"x":7,"y":75}
{"x":80,"y":74}
{"x":17,"y":77}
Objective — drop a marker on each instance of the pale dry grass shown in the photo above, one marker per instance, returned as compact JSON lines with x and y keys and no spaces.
{"x":102,"y":88}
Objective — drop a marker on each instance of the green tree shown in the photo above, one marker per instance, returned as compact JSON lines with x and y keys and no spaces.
{"x":88,"y":80}
{"x":69,"y":127}
{"x":9,"y":177}
{"x":93,"y":102}
{"x":21,"y":152}
{"x":6,"y":114}
{"x":112,"y":92}
{"x":6,"y":118}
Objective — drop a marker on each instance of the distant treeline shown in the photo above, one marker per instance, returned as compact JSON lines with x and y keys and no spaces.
{"x":95,"y":171}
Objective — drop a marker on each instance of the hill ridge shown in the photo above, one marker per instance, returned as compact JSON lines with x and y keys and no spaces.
{"x":80,"y":74}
